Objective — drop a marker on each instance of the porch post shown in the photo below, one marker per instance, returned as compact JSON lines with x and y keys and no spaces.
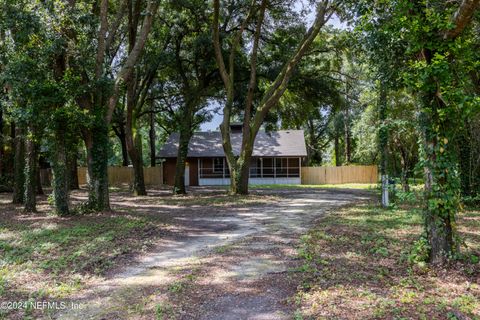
{"x":300,"y":168}
{"x":274,"y":170}
{"x":287,"y":168}
{"x":223,"y":169}
{"x":261,"y":168}
{"x":199,"y":169}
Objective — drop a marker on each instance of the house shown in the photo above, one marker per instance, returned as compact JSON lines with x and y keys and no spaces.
{"x":276,"y":159}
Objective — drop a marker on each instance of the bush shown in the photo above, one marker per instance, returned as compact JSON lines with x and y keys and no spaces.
{"x":419,"y":253}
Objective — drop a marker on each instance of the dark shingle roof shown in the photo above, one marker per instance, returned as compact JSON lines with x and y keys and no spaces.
{"x":285,"y":143}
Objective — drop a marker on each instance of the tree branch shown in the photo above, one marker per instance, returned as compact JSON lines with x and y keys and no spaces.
{"x":461,"y":18}
{"x":279,"y":86}
{"x":125,"y":73}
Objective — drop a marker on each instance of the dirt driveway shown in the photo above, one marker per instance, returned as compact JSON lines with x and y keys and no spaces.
{"x":225,"y":263}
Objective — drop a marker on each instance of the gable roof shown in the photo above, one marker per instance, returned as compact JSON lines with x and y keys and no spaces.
{"x":282,"y":143}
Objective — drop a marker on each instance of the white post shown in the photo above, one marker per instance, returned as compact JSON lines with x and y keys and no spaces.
{"x":385,"y":191}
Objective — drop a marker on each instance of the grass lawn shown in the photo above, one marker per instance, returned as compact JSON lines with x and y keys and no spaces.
{"x":357,"y":263}
{"x":45,"y":257}
{"x":316,"y":186}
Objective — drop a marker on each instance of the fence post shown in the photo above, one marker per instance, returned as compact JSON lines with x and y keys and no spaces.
{"x":385,"y":190}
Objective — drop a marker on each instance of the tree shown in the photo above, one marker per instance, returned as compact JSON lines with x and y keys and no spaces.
{"x":102,"y":88}
{"x":386,"y":132}
{"x":191,"y":73}
{"x":32,"y":88}
{"x":430,"y":39}
{"x":118,"y":127}
{"x":19,"y":167}
{"x":253,"y":116}
{"x":313,"y":98}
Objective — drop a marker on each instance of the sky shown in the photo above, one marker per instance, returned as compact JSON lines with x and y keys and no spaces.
{"x":213,"y":125}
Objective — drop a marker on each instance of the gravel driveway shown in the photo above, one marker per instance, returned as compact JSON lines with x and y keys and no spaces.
{"x":240,"y":254}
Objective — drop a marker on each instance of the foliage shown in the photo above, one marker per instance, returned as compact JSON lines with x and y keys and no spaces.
{"x":371,"y":259}
{"x":433,"y":68}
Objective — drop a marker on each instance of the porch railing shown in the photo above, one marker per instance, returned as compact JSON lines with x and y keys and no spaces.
{"x":255,"y":172}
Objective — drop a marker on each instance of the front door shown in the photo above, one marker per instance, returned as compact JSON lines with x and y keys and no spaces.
{"x":187,"y":174}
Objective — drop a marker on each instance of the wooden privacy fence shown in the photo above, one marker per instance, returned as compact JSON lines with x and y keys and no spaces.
{"x":124,"y":175}
{"x":338,"y":175}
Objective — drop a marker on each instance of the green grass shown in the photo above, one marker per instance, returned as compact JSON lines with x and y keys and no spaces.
{"x":164,"y":311}
{"x":319,"y":186}
{"x":87,"y":246}
{"x":53,"y":258}
{"x":216,"y":199}
{"x":358,"y":261}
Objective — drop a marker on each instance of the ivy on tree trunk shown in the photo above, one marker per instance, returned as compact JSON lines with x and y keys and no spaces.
{"x":97,"y":163}
{"x":442,"y":185}
{"x":60,"y":173}
{"x":31,"y":168}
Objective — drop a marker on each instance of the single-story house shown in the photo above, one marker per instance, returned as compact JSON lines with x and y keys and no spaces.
{"x":276,"y":159}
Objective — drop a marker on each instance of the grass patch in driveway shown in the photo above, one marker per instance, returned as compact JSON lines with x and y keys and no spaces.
{"x":217,"y":199}
{"x":356,"y":264}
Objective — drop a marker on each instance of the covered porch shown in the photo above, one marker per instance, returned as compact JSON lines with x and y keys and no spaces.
{"x":263,"y":170}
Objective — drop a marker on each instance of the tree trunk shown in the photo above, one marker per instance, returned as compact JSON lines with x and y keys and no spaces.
{"x":441,"y":183}
{"x":120,"y":133}
{"x":135,"y":152}
{"x":31,"y":164}
{"x":133,"y":140}
{"x":139,"y":180}
{"x":314,"y":156}
{"x":404,"y":174}
{"x":97,"y":161}
{"x":346,"y":123}
{"x":72,"y":169}
{"x":383,"y":143}
{"x":152,"y":136}
{"x":1,"y":141}
{"x":184,"y":140}
{"x":336,"y":143}
{"x":60,"y":173}
{"x":241,"y":177}
{"x":39,"y":181}
{"x":19,"y":167}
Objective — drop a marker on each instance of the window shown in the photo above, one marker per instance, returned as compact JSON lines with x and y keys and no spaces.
{"x":217,"y":165}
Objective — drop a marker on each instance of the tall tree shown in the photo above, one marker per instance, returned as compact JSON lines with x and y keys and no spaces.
{"x":193,"y":74}
{"x":253,"y":116}
{"x":107,"y":87}
{"x":118,"y":127}
{"x":19,"y":166}
{"x":431,"y":41}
